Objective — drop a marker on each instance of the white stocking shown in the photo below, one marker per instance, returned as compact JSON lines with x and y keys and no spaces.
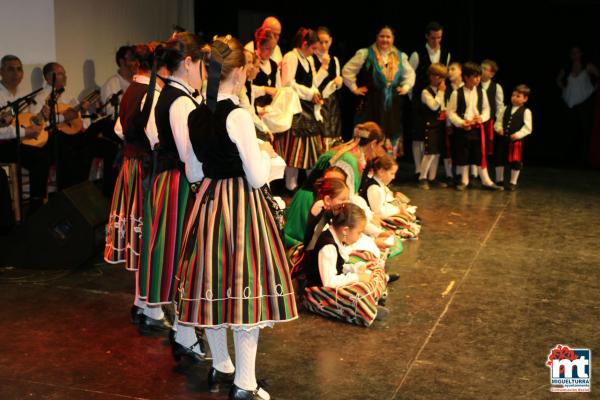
{"x":217,"y":341}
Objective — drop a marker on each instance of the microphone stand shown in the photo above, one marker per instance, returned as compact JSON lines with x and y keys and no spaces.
{"x":16,"y":106}
{"x":53,"y":128}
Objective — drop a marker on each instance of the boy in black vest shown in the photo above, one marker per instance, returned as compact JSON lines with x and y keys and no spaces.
{"x":431,"y":53}
{"x":433,"y":124}
{"x":468,"y":109}
{"x":495,"y":96}
{"x":513,"y":125}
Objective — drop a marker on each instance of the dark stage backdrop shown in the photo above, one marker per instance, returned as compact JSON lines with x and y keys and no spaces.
{"x":530,"y":44}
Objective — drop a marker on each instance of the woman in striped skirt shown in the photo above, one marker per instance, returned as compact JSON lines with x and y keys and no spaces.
{"x":124,"y":230}
{"x":233,"y":270}
{"x":170,"y":191}
{"x":302,"y":146}
{"x":336,"y":287}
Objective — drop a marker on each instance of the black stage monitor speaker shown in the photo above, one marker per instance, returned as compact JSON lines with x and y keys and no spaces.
{"x":64,"y":233}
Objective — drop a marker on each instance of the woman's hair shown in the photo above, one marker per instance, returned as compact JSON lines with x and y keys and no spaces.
{"x":323,"y":29}
{"x":262,"y":36}
{"x":335,"y":168}
{"x":385,"y":162}
{"x":386,"y":27}
{"x":347,"y":214}
{"x":368,"y":132}
{"x":228,"y":52}
{"x":144,"y":56}
{"x":331,"y":187}
{"x":305,"y":35}
{"x":180,"y":46}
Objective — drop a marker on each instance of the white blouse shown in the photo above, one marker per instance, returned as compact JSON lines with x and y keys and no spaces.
{"x":289,"y":66}
{"x":578,"y":89}
{"x":380,"y":200}
{"x":328,"y":264}
{"x":178,"y":118}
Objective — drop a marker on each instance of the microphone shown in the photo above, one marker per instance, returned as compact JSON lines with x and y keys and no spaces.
{"x":115,"y":97}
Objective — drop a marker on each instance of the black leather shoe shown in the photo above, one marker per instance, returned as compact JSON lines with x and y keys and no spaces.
{"x":187,"y":354}
{"x":493,"y":187}
{"x":150,"y":325}
{"x":219,"y":380}
{"x":240,"y":394}
{"x":136,"y":314}
{"x":393,"y":277}
{"x":423,"y":184}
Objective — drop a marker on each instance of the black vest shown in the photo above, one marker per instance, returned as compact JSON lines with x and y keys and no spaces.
{"x":461,"y":103}
{"x":365,"y":184}
{"x":491,"y":95}
{"x":133,"y":122}
{"x":513,"y":122}
{"x":331,"y":71}
{"x":263,"y":79}
{"x":311,"y":260}
{"x":303,"y":77}
{"x":168,"y":157}
{"x":422,"y":78}
{"x":211,"y":143}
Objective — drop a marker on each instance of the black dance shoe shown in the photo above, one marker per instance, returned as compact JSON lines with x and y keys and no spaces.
{"x":423,"y":184}
{"x":240,"y":394}
{"x":434,"y":183}
{"x":493,"y":187}
{"x":187,"y":355}
{"x":393,"y":277}
{"x":217,"y":380}
{"x":149,"y":325}
{"x":136,"y":314}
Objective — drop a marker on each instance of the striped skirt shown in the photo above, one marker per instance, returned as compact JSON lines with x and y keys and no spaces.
{"x":356,"y":303}
{"x":165,"y":215}
{"x":233,"y":270}
{"x":298,"y":151}
{"x":401,"y":227}
{"x":124,"y":229}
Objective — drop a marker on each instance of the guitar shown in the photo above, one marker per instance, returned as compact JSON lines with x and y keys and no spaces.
{"x":75,"y":125}
{"x":26,"y":119}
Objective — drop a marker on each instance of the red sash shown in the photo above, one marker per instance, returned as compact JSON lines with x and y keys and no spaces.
{"x":515,"y":151}
{"x":483,"y":153}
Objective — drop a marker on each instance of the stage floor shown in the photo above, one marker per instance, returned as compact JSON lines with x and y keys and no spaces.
{"x":493,"y":284}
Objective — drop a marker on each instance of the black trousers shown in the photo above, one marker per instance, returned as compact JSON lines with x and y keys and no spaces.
{"x":34,"y":159}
